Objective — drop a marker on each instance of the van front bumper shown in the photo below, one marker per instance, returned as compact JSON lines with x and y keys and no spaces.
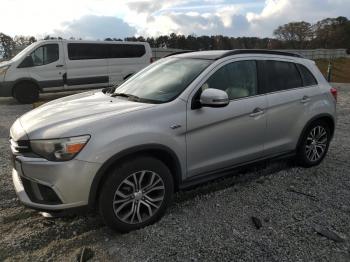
{"x":53,"y":186}
{"x":6,"y":88}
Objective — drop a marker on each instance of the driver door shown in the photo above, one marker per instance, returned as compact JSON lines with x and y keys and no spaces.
{"x":219,"y":138}
{"x":48,"y":66}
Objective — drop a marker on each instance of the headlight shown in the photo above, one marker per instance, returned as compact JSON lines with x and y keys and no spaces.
{"x":3,"y":70}
{"x":62,"y":149}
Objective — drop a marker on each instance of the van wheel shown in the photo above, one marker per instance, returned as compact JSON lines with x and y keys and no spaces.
{"x":136,"y":194}
{"x":26,"y":92}
{"x":314,"y":144}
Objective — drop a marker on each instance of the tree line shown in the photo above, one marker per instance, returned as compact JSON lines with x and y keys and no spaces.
{"x":326,"y":33}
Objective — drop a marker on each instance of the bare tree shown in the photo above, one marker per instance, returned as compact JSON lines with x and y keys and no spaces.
{"x":7,"y":46}
{"x":297,"y":34}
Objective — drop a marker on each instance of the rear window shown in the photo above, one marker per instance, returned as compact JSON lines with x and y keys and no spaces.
{"x":307,"y":76}
{"x":281,"y":76}
{"x":81,"y":51}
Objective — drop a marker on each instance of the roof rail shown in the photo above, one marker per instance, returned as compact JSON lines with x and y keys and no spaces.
{"x":259,"y":51}
{"x":178,"y":53}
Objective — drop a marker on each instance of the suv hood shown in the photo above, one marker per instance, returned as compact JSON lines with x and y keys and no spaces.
{"x":5,"y":63}
{"x":75,"y":115}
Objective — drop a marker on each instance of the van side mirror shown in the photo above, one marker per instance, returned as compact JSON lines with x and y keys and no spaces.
{"x":27,"y":62}
{"x":214,"y":98}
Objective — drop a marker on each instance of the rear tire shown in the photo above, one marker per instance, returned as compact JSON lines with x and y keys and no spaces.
{"x":314,"y":144}
{"x":128,"y":200}
{"x":26,"y":92}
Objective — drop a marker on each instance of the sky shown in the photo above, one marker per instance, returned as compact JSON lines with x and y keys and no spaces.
{"x":99,"y":19}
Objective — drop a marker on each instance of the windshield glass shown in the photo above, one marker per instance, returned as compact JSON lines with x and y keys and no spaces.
{"x":164,"y":80}
{"x":22,"y":53}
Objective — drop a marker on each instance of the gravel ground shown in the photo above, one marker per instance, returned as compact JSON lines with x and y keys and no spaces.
{"x":304,"y":214}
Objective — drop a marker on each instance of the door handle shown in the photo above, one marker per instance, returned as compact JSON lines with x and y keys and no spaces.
{"x":305,"y":99}
{"x":59,"y":65}
{"x":256,"y":112}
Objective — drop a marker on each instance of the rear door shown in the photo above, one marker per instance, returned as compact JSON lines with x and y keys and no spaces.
{"x":48,"y":66}
{"x":288,"y":104}
{"x":219,"y":138}
{"x":86,"y":65}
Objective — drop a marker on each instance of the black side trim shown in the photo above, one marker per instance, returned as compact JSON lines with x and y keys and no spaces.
{"x":111,"y":161}
{"x":87,"y":80}
{"x":50,"y":83}
{"x":205,"y":177}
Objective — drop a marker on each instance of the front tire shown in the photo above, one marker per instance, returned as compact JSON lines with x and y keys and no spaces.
{"x":136,"y":194}
{"x":26,"y":92}
{"x":314,"y":144}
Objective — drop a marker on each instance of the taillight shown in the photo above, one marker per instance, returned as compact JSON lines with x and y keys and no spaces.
{"x":152,"y":59}
{"x":334,"y":93}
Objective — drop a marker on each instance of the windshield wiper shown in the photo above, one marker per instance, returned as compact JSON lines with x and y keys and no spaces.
{"x":132,"y":97}
{"x":109,"y":90}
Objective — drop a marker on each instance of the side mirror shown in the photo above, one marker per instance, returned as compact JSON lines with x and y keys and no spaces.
{"x":214,"y":98}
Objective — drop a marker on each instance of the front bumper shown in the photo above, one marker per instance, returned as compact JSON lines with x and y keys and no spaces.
{"x":66,"y":183}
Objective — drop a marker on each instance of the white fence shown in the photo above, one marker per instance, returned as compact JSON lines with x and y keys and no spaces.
{"x":158,"y":53}
{"x":319,"y":53}
{"x":307,"y":53}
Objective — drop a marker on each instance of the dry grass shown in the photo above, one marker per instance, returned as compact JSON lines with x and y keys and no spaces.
{"x":37,"y":104}
{"x":341,"y":69}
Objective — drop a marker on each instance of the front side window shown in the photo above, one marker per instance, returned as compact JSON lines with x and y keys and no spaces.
{"x":43,"y":55}
{"x":237,"y":79}
{"x":281,"y":76}
{"x":164,"y":80}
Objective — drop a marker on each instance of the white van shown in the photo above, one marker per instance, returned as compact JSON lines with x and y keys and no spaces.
{"x":60,"y":65}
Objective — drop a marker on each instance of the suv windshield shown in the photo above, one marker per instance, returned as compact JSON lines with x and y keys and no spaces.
{"x":164,"y":80}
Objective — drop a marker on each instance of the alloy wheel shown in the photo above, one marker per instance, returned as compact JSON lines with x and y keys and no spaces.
{"x":138,"y":197}
{"x":316,"y":143}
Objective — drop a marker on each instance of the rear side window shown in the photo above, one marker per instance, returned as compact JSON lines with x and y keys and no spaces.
{"x":281,"y":76}
{"x":308,"y":78}
{"x":77,"y":51}
{"x":126,"y":51}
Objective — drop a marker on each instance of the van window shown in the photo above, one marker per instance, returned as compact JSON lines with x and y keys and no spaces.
{"x":78,"y":51}
{"x":307,"y":76}
{"x":281,"y":76}
{"x":126,"y":51}
{"x":81,"y":51}
{"x":43,"y":55}
{"x":238,"y":79}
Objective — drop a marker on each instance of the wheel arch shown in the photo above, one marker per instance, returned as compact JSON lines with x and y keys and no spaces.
{"x":25,"y":79}
{"x":163,"y":153}
{"x":329,"y":119}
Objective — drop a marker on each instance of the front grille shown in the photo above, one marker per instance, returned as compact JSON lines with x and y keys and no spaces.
{"x":39,"y":193}
{"x":20,"y":147}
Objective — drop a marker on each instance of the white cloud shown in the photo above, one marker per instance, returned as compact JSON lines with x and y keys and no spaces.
{"x":91,"y":27}
{"x":100,"y":18}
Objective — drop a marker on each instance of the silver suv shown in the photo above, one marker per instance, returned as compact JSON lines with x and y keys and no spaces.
{"x":183,"y":120}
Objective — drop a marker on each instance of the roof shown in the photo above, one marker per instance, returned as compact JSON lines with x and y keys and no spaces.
{"x":218,"y":54}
